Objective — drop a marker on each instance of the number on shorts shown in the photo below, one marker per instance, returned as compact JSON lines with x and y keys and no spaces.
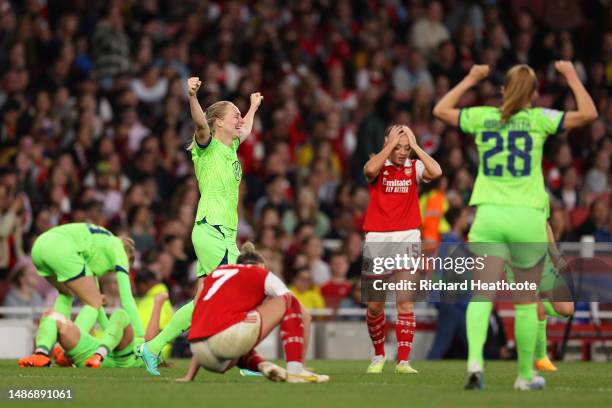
{"x":223,"y":275}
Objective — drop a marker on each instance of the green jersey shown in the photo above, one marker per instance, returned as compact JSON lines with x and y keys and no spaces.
{"x":102,"y":251}
{"x":219,"y":173}
{"x":510,"y":153}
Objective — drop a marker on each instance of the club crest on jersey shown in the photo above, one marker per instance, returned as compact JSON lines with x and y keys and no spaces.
{"x":237,"y":170}
{"x":385,"y":173}
{"x":408,"y":171}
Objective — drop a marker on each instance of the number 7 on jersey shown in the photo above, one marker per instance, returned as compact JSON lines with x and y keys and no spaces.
{"x":223,"y":275}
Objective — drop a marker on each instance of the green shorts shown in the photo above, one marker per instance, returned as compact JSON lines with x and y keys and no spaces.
{"x":515,"y":234}
{"x":214,"y":245}
{"x":87,"y":346}
{"x":55,"y":255}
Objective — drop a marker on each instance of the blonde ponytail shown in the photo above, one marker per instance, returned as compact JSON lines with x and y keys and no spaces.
{"x":519,"y":86}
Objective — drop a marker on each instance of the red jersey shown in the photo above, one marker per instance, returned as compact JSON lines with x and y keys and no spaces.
{"x":394,"y":198}
{"x":230,"y":292}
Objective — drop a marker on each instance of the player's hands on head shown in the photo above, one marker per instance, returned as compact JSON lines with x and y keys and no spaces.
{"x":193,"y":84}
{"x":412,"y":142}
{"x":478,"y":72}
{"x":256,"y":99}
{"x":394,"y":135}
{"x":566,"y":68}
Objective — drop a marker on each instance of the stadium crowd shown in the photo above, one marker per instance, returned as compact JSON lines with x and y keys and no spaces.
{"x":94,"y":123}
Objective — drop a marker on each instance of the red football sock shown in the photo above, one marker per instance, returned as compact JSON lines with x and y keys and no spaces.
{"x":376,"y":328}
{"x":404,"y":331}
{"x":292,"y":330}
{"x":250,"y":361}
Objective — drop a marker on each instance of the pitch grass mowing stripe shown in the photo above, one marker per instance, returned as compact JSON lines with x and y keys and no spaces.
{"x":438,"y":384}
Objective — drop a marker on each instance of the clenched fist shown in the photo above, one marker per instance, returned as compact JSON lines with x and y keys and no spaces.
{"x":256,"y":99}
{"x":193,"y":84}
{"x":566,"y":68}
{"x":478,"y":72}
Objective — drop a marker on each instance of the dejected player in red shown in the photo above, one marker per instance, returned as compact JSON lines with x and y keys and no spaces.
{"x":238,"y":307}
{"x":392,"y":223}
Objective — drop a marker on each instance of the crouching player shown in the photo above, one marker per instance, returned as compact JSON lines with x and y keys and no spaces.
{"x":238,"y":307}
{"x":116,"y":347}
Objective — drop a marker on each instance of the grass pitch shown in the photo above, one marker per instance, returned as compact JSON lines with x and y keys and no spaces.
{"x":439,"y":384}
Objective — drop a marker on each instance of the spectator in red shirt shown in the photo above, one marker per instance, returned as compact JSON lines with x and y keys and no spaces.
{"x":338,"y":287}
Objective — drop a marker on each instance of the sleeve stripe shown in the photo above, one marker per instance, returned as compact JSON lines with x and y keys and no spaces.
{"x":560,"y":126}
{"x":202,"y":146}
{"x":120,"y":269}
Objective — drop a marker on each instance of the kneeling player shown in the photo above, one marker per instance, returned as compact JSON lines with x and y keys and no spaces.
{"x":113,"y":350}
{"x":232,"y":315}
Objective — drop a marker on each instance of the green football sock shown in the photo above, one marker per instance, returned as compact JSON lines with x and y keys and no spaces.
{"x":46,"y":335}
{"x":119,"y":320}
{"x":63,"y":305}
{"x":477,"y":324}
{"x":102,"y":318}
{"x":541,"y":344}
{"x":526,"y":334}
{"x":180,"y":322}
{"x":86,"y":319}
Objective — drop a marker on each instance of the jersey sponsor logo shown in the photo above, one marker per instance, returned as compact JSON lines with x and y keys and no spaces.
{"x":237,"y":170}
{"x":396,"y":186}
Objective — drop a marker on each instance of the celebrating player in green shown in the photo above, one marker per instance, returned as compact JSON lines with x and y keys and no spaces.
{"x":218,"y":134}
{"x":510,"y":196}
{"x":71,"y":257}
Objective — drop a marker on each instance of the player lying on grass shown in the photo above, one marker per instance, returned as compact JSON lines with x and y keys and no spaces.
{"x":71,"y":257}
{"x":511,"y":199}
{"x":115,"y":349}
{"x":239,"y":306}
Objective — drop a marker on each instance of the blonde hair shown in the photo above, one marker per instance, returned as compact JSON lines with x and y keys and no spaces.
{"x":129,"y":246}
{"x":215,"y":111}
{"x":519,"y":86}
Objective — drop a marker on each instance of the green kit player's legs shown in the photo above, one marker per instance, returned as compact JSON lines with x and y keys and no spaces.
{"x":516,"y":235}
{"x":58,"y":260}
{"x":214,"y":246}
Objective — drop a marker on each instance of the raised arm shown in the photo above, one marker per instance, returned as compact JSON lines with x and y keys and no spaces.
{"x":432,"y":168}
{"x":445,"y":108}
{"x":587,"y":112}
{"x":376,"y":162}
{"x":127,"y":301}
{"x":247,"y":125}
{"x":202,"y":131}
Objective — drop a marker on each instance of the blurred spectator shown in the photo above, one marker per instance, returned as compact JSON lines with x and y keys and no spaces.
{"x":598,"y":224}
{"x":338,"y":287}
{"x":306,"y":291}
{"x":306,"y":211}
{"x":596,"y":180}
{"x":11,"y":245}
{"x":429,"y":31}
{"x":23,"y":293}
{"x":313,"y":249}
